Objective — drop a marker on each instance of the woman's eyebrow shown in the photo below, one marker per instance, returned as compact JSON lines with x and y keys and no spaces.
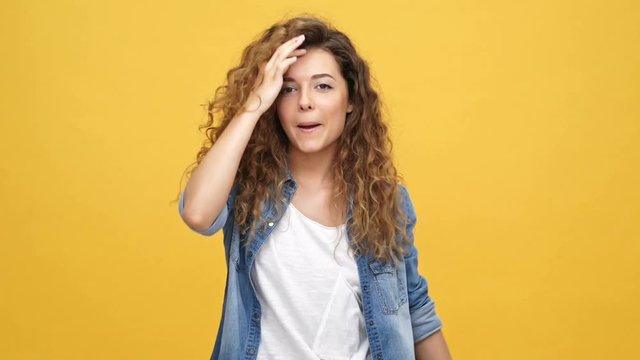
{"x":316,"y":76}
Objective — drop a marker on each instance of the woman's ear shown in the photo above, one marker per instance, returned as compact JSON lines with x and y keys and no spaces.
{"x":349,"y":108}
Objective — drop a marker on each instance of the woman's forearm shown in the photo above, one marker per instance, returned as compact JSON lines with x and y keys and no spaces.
{"x":433,"y":347}
{"x":208,"y":187}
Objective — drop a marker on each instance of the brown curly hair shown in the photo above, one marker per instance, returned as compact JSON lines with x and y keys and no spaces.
{"x":364,"y":170}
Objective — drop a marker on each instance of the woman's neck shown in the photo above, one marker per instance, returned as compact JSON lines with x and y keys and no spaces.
{"x":312,"y":169}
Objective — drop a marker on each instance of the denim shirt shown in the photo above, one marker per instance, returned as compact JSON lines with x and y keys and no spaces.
{"x":398,"y":311}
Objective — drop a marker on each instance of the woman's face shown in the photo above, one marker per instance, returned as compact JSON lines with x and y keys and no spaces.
{"x":314,"y":102}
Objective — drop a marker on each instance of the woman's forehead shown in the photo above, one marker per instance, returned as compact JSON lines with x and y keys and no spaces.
{"x":313,"y":63}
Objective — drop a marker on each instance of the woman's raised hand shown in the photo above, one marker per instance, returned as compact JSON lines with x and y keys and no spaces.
{"x":269,"y":82}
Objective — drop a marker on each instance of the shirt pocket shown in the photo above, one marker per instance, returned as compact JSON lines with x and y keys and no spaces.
{"x":389,"y":286}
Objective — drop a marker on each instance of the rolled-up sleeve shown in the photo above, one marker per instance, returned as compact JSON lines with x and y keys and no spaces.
{"x":218,"y":223}
{"x":424,"y":319}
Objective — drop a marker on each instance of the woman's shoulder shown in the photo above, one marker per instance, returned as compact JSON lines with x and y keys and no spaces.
{"x":402,"y":188}
{"x":403,"y":191}
{"x":404,"y":200}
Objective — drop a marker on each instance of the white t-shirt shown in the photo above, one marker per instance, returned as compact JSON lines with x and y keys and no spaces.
{"x":311,"y":301}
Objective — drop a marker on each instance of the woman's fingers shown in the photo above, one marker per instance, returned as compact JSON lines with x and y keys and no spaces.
{"x":297,"y":52}
{"x":284,"y":50}
{"x":284,"y":65}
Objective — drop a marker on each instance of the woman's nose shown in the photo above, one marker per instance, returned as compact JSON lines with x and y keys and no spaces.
{"x":305,"y":106}
{"x":304,"y":102}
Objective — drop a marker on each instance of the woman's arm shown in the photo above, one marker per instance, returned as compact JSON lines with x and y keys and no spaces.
{"x":432,"y":347}
{"x":424,"y":318}
{"x":208,"y":187}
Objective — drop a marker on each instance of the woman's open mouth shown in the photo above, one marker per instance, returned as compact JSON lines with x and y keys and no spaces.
{"x":308,"y":127}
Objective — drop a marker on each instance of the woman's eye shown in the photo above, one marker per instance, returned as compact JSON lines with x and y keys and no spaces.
{"x":286,"y":89}
{"x":324,"y":86}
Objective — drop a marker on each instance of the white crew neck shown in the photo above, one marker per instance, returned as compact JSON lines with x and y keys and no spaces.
{"x":306,"y":218}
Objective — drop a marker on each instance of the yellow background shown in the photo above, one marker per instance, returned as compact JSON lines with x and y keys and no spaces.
{"x":516,"y":125}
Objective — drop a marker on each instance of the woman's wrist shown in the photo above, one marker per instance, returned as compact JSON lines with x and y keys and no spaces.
{"x":254,"y":104}
{"x":249,"y":114}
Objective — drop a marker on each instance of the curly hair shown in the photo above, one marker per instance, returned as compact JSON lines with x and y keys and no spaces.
{"x":364,"y":171}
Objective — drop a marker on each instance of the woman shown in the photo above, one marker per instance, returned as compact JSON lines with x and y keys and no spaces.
{"x":318,"y":231}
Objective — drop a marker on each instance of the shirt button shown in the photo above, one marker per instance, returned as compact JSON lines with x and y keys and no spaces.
{"x":379,"y":356}
{"x":251,"y":351}
{"x":370,"y":322}
{"x":270,"y":224}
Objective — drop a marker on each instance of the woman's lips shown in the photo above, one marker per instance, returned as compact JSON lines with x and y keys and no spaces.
{"x":308,"y":128}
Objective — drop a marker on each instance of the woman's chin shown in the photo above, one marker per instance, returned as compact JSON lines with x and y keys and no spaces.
{"x":308,"y":148}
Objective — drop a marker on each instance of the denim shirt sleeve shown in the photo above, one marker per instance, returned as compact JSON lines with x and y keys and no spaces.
{"x":424,"y":319}
{"x":217,"y":224}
